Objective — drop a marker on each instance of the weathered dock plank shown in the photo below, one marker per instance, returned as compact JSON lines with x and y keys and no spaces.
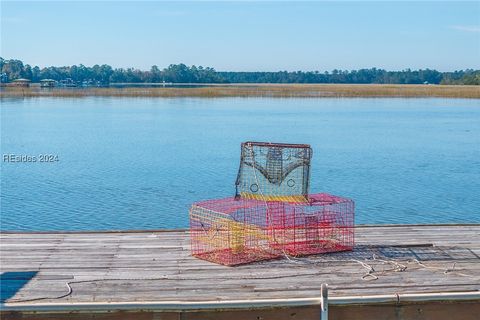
{"x":126,"y":267}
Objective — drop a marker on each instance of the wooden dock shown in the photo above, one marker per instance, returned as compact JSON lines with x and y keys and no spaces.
{"x":395,"y":272}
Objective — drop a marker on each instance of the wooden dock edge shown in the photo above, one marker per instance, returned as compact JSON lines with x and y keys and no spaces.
{"x":187,"y":230}
{"x":461,"y":310}
{"x":455,"y":305}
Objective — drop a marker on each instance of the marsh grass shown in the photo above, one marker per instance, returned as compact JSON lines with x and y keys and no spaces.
{"x":257,"y":90}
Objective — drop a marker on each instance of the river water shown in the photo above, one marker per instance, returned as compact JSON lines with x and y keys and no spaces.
{"x":138,"y":163}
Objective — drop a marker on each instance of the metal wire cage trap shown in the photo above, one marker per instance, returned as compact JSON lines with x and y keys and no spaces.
{"x":273,"y":171}
{"x":324,"y":223}
{"x":236,"y":231}
{"x":230,"y":231}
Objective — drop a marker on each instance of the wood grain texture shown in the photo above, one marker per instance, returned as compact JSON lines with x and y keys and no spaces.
{"x":157,"y":266}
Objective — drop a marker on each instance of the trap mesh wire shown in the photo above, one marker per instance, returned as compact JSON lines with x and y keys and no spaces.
{"x":325,"y":223}
{"x":230,"y":231}
{"x":236,"y":231}
{"x":274,"y":171}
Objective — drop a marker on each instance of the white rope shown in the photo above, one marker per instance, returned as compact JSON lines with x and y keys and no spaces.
{"x":446,"y":270}
{"x":398,"y":267}
{"x":370,"y":270}
{"x":70,"y":289}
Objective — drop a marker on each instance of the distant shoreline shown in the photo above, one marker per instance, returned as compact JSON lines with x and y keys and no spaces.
{"x":255,"y":90}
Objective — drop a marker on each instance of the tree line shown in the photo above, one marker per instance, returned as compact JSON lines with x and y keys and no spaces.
{"x":180,"y":73}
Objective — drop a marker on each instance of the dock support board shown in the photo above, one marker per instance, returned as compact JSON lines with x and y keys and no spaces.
{"x":324,"y":302}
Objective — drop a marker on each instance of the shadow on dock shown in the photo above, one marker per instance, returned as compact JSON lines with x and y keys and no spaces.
{"x":12,"y":282}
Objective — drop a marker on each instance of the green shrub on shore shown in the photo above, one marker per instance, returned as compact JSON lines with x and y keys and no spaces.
{"x":179,"y":73}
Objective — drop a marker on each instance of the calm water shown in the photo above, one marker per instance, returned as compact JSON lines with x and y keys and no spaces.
{"x":139,"y":163}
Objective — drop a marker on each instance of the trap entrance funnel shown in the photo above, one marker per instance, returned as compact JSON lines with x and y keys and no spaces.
{"x":274,"y":171}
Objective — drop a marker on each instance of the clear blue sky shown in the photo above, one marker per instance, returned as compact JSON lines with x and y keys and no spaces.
{"x":247,"y":36}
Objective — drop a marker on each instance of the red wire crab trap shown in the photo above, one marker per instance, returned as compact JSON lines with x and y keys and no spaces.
{"x":230,"y":231}
{"x":272,"y":214}
{"x":237,"y":231}
{"x":324,"y":223}
{"x":274,"y":171}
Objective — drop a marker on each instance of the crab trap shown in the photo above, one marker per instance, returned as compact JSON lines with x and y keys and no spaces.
{"x":274,"y":171}
{"x":236,"y":231}
{"x":230,"y":231}
{"x":324,"y":223}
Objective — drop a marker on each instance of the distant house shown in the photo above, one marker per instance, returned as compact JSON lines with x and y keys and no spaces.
{"x":21,"y":82}
{"x":68,"y":82}
{"x":47,"y":83}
